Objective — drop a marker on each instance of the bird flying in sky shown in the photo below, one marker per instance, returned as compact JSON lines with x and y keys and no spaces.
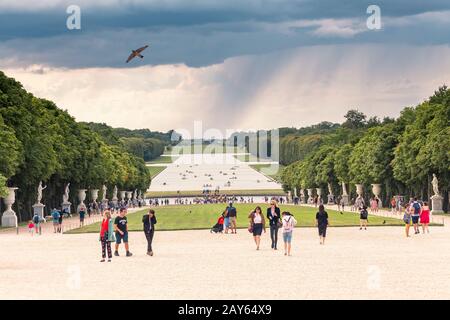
{"x":136,"y":53}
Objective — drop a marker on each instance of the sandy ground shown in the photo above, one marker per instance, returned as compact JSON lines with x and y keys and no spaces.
{"x":380,"y":263}
{"x":192,"y":171}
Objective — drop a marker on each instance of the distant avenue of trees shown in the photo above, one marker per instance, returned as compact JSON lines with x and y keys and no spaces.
{"x":401,"y":154}
{"x":39,"y":141}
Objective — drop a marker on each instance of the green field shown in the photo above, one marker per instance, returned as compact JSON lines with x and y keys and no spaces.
{"x":262,"y":168}
{"x":154,"y":171}
{"x":162,"y":159}
{"x":197,"y":193}
{"x":188,"y":217}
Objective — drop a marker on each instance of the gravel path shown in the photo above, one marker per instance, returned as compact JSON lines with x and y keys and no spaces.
{"x":380,"y":263}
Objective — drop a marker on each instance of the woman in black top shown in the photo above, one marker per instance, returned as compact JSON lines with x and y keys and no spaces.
{"x":322,"y":223}
{"x":274,"y":216}
{"x":149,"y":221}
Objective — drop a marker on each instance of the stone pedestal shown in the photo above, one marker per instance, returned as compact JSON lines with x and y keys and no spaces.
{"x":65,"y":206}
{"x":345,"y":200}
{"x":38,"y":208}
{"x":436,"y":204}
{"x":9,"y":218}
{"x":330,"y":199}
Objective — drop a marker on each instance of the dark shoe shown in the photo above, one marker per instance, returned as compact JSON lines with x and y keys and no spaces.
{"x":109,"y":260}
{"x":103,"y":260}
{"x":116,"y":253}
{"x":129,"y":254}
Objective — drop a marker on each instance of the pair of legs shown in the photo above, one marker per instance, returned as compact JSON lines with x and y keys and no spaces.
{"x":257,"y":240}
{"x":407,"y":226}
{"x":274,"y":236}
{"x":233,"y":224}
{"x":119,"y":238}
{"x":106,"y":246}
{"x":322,"y":234}
{"x":416,"y":225}
{"x":81,"y":222}
{"x":287,"y":238}
{"x":60,"y":227}
{"x":149,"y":236}
{"x":363,"y":224}
{"x":55,"y":227}
{"x":425,"y":228}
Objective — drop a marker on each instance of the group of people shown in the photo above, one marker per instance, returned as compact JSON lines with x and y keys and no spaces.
{"x":276,"y":220}
{"x":415,"y":213}
{"x":116,"y":230}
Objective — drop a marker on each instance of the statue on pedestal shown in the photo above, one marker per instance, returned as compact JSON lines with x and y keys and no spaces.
{"x":435,"y":184}
{"x":104,"y":193}
{"x":39,"y":192}
{"x":66,"y":193}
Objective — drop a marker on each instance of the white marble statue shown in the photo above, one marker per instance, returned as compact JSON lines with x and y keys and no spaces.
{"x":115,"y":190}
{"x":344,"y":189}
{"x":104,"y":192}
{"x":435,"y":184}
{"x":330,"y":190}
{"x":39,"y":192}
{"x":66,"y":193}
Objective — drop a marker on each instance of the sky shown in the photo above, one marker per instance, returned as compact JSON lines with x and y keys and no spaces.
{"x":234,"y":65}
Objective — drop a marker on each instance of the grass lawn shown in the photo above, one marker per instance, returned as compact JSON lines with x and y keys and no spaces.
{"x":162,"y":159}
{"x":197,"y":193}
{"x":154,"y":171}
{"x":186,"y":217}
{"x":261,"y":168}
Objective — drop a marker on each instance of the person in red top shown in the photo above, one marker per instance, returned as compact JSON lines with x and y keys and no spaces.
{"x":104,"y":236}
{"x":425,"y":217}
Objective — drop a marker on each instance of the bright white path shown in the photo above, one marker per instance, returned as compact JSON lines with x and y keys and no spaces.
{"x":190,"y":172}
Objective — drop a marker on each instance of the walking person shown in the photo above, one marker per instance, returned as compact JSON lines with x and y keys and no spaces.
{"x":149,"y":221}
{"x":232,"y":215}
{"x":363,"y":218}
{"x":257,"y":225}
{"x":407,"y":219}
{"x":31,"y":227}
{"x":60,"y":221}
{"x":274,"y":216}
{"x":55,"y":217}
{"x":82,"y":214}
{"x":107,"y":236}
{"x":226,"y":221}
{"x":322,"y":223}
{"x":289,"y":223}
{"x":37,"y":223}
{"x":121,"y":230}
{"x":425,"y":217}
{"x":416,"y":209}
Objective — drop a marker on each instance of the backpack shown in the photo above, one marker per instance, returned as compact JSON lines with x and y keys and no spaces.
{"x":36,"y":219}
{"x":416,"y":207}
{"x":364,"y":214}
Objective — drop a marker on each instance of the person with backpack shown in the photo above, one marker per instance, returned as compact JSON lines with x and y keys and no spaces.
{"x":289,"y":223}
{"x":37,"y":223}
{"x":363,"y":218}
{"x":55,"y":216}
{"x":416,"y":209}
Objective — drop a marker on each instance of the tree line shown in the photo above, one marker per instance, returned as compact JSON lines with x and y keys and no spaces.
{"x":401,"y":154}
{"x":39,"y":141}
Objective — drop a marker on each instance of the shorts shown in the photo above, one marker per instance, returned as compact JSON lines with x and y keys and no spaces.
{"x":120,"y":237}
{"x":233,"y":220}
{"x":287,"y":237}
{"x":55,"y":223}
{"x":257,"y":229}
{"x":322,"y":231}
{"x":415,"y":219}
{"x":226,"y":222}
{"x":363,"y":220}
